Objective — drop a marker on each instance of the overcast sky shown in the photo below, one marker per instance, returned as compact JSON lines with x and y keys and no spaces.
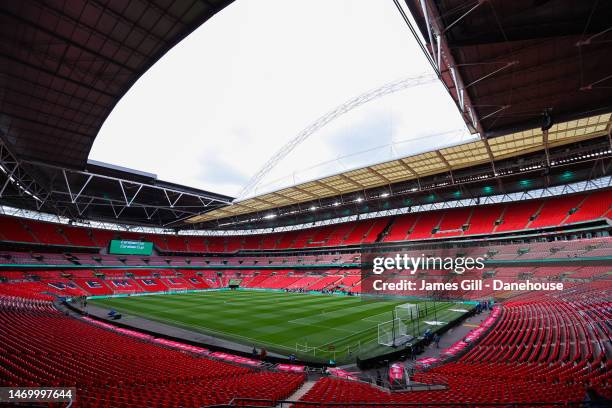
{"x":216,"y":107}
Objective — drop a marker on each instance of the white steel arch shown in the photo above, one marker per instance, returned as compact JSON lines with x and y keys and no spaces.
{"x":388,"y":88}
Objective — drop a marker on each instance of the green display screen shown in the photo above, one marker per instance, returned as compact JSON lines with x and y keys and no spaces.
{"x":235,"y":282}
{"x":122,"y":247}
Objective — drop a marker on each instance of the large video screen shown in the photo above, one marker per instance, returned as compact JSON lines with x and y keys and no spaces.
{"x":123,"y":247}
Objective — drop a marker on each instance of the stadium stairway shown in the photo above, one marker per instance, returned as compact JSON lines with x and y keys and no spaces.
{"x":303,"y":390}
{"x":454,"y":335}
{"x":383,"y":234}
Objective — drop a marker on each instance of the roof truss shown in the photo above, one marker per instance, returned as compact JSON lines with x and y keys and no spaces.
{"x":80,"y":194}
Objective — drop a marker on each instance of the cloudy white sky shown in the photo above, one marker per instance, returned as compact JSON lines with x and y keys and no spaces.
{"x":215,"y":108}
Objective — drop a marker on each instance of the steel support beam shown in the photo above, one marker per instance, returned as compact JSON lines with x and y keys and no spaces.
{"x":438,"y":53}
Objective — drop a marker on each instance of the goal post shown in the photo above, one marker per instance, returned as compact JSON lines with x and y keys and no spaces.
{"x":407,"y":312}
{"x":393,"y":333}
{"x":303,"y":348}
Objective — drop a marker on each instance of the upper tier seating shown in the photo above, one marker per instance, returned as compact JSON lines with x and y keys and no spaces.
{"x":554,"y":212}
{"x":483,"y":219}
{"x":102,"y":237}
{"x":495,"y":218}
{"x":426,"y":223}
{"x":78,"y":236}
{"x":454,"y":219}
{"x":516,"y":216}
{"x":401,"y":227}
{"x":12,"y":229}
{"x":45,"y":232}
{"x":596,"y":205}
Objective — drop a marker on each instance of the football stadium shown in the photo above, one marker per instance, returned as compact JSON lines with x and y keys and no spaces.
{"x":477,"y":274}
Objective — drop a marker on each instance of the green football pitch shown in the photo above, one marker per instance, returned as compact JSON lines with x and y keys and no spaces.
{"x":314,"y":327}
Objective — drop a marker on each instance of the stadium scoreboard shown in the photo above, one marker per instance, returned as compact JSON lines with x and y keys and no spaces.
{"x":124,"y":247}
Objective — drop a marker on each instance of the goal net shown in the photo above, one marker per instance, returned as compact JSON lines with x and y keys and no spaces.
{"x":407,"y":312}
{"x":393,"y":333}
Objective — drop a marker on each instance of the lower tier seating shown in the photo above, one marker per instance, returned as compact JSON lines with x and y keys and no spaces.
{"x":39,"y":346}
{"x":544,"y":348}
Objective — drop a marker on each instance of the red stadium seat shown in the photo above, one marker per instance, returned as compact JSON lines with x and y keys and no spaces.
{"x":544,"y":350}
{"x":46,"y":348}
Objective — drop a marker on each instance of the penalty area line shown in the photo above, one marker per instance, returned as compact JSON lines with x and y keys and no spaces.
{"x":322,"y":327}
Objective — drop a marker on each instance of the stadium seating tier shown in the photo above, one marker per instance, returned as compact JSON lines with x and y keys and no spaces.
{"x":487,"y":219}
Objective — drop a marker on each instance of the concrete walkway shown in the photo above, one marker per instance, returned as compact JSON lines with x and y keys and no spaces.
{"x":455,"y":334}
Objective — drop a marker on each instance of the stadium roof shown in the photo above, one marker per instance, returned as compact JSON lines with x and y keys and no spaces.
{"x":64,"y":66}
{"x":505,"y":62}
{"x":420,"y":165}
